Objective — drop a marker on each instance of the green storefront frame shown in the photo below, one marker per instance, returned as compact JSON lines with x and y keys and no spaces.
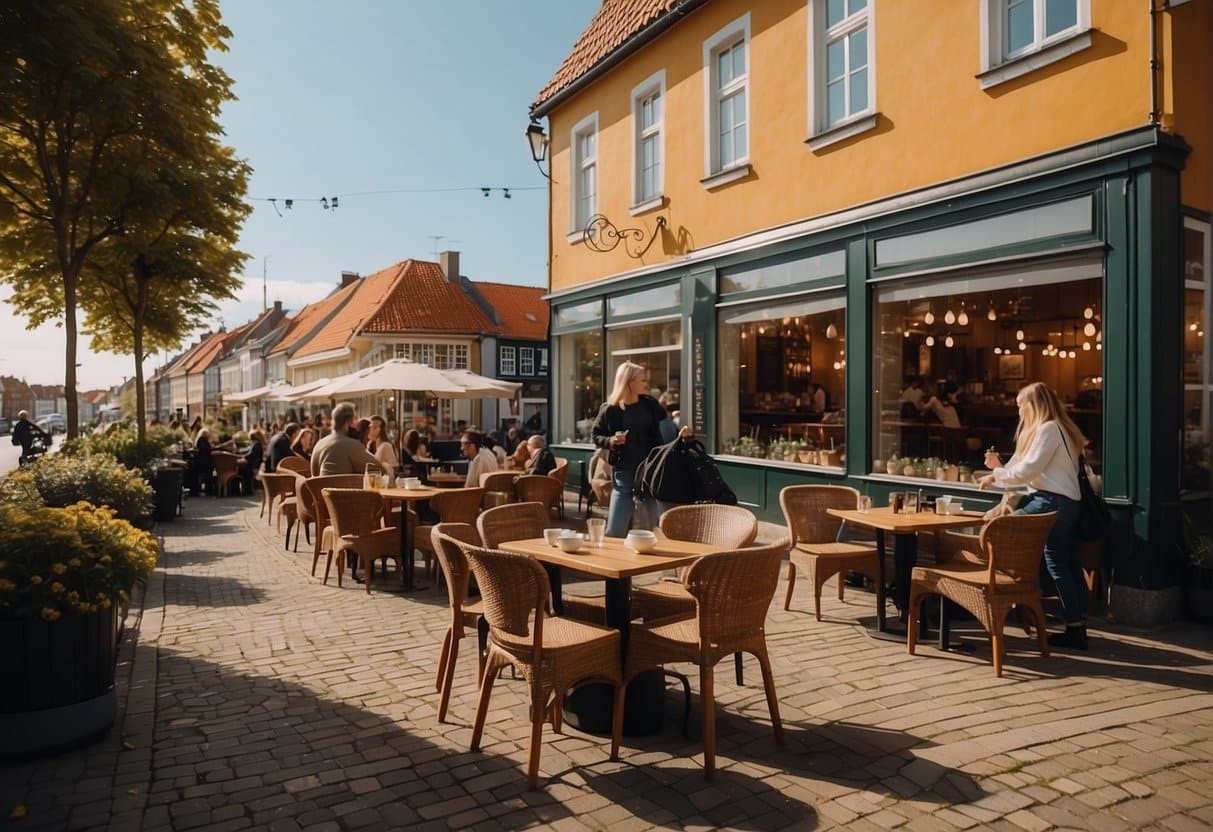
{"x":1133,"y":182}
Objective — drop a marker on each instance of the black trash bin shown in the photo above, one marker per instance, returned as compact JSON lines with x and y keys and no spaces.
{"x":167,"y":483}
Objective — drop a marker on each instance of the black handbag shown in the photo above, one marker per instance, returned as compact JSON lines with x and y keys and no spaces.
{"x":1093,"y":515}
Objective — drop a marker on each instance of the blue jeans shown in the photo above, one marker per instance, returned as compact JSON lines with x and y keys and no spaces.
{"x":619,"y":515}
{"x":1061,"y":551}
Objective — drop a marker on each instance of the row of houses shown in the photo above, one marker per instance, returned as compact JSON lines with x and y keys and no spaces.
{"x":425,"y":311}
{"x":43,"y":399}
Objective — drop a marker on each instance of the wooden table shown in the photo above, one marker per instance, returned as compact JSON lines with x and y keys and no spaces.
{"x":447,"y":479}
{"x":616,"y":564}
{"x":905,"y":528}
{"x":405,"y":496}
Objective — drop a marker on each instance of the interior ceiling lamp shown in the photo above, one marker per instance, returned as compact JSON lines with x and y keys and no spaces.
{"x":831,"y":331}
{"x":1023,"y":345}
{"x":949,"y":317}
{"x":998,"y":350}
{"x":930,"y":340}
{"x":1019,"y":335}
{"x":963,"y":317}
{"x":928,"y":318}
{"x":538,"y":141}
{"x":948,"y":342}
{"x":1088,"y":312}
{"x":991,"y":315}
{"x":1088,"y":329}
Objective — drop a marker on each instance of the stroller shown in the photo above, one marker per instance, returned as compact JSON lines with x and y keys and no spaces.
{"x":40,"y":443}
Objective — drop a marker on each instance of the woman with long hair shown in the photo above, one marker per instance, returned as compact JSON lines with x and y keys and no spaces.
{"x":304,"y":440}
{"x":628,"y":427}
{"x":1045,"y":462}
{"x":377,"y":443}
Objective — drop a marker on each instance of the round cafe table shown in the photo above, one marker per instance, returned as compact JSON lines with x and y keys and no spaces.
{"x":405,"y":496}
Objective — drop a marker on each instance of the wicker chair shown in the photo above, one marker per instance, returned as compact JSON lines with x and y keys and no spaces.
{"x":289,"y":508}
{"x":732,"y":593}
{"x":515,"y":521}
{"x":1011,"y":547}
{"x":561,"y":474}
{"x":498,"y":488}
{"x":357,"y":525}
{"x":540,"y":488}
{"x":312,"y":509}
{"x":452,"y":505}
{"x":275,"y":487}
{"x":813,"y":539}
{"x":225,"y":470}
{"x":297,"y":464}
{"x":465,"y":613}
{"x":552,"y":653}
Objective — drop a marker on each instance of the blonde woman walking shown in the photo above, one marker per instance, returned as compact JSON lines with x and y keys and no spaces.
{"x":1045,"y":462}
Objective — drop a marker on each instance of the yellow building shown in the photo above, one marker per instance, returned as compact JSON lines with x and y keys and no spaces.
{"x":864,"y":202}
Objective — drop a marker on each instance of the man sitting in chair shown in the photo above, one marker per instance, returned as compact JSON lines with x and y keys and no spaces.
{"x":541,"y":461}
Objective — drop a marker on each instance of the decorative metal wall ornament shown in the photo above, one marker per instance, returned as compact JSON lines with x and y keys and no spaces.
{"x":601,"y":235}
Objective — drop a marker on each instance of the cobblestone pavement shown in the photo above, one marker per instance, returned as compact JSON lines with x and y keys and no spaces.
{"x":253,"y":697}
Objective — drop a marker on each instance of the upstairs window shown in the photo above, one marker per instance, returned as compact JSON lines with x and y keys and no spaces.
{"x":526,"y":361}
{"x":842,"y":62}
{"x":584,"y":196}
{"x":1028,"y":34}
{"x":648,"y":148}
{"x":508,"y":368}
{"x":726,"y":66}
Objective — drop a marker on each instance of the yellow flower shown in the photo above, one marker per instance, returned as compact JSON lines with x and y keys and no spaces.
{"x":57,"y":587}
{"x":36,"y":580}
{"x":58,"y":568}
{"x":106,"y":604}
{"x":75,"y":563}
{"x":50,"y":614}
{"x":6,"y":585}
{"x":73,"y":596}
{"x":105,"y":559}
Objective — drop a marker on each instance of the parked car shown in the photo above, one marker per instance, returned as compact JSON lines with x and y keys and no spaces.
{"x":53,"y":423}
{"x":5,"y":427}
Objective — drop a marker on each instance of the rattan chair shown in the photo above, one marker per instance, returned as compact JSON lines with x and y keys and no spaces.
{"x":498,"y":488}
{"x":289,"y":508}
{"x":1011,"y":548}
{"x":732,"y":592}
{"x":225,"y":470}
{"x":814,"y":544}
{"x":540,"y":488}
{"x":296,"y":464}
{"x":452,"y":505}
{"x":515,"y":521}
{"x":275,"y":487}
{"x":465,"y":613}
{"x":551,"y":652}
{"x":356,"y":518}
{"x":561,"y":474}
{"x":313,"y":510}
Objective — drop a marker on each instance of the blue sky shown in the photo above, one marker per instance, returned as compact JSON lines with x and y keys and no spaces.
{"x":344,"y":98}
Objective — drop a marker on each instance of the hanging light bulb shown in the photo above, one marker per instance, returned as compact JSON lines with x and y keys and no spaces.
{"x":1088,"y":313}
{"x":948,"y":342}
{"x":949,"y":317}
{"x":930,"y":340}
{"x":837,"y":365}
{"x":1099,"y":346}
{"x":831,"y":331}
{"x":1023,"y":345}
{"x":906,"y":333}
{"x":998,"y":350}
{"x":1019,"y":335}
{"x":963,"y":317}
{"x":1192,"y":326}
{"x":1089,"y":329}
{"x":1044,"y":351}
{"x":928,"y":318}
{"x":1086,"y":346}
{"x":991,"y":315}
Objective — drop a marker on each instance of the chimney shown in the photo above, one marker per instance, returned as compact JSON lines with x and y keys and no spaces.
{"x":348,"y":277}
{"x":278,"y":307}
{"x":449,"y":261}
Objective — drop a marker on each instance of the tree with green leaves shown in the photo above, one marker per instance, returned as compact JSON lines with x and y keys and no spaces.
{"x":108,"y":113}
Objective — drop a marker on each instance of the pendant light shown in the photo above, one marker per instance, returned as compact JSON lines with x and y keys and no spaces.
{"x":991,"y":315}
{"x":998,"y":350}
{"x":1023,"y":345}
{"x":928,"y":318}
{"x":949,"y":317}
{"x":930,"y":340}
{"x":1088,"y":312}
{"x":1088,"y":329}
{"x":948,"y":342}
{"x":963,"y":317}
{"x":831,"y":331}
{"x":1019,"y":335}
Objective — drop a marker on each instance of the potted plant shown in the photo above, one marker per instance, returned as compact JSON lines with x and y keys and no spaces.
{"x":64,"y":575}
{"x":60,"y":481}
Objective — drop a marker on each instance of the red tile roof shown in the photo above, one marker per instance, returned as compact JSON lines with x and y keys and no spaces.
{"x":206,"y":353}
{"x":310,"y":316}
{"x":424,"y":300}
{"x":522,"y":309}
{"x":616,"y":23}
{"x":369,"y":293}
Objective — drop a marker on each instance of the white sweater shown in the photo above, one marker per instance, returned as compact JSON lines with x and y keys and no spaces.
{"x":1042,"y":466}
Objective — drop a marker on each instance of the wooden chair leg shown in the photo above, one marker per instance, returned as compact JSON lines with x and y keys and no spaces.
{"x":532,"y":763}
{"x":1042,"y":637}
{"x":448,"y":679}
{"x":997,"y":646}
{"x":768,"y":684}
{"x":707,"y":702}
{"x":842,"y":580}
{"x":443,"y":656}
{"x":482,"y":701}
{"x":787,"y":598}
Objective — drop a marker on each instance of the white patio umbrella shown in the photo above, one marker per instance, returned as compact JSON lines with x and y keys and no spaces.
{"x":477,"y":386}
{"x":395,"y":375}
{"x":298,"y":392}
{"x":246,"y":396}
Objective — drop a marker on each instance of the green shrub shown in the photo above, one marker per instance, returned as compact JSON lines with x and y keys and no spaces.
{"x":71,"y":560}
{"x":123,"y":444}
{"x":58,"y":481}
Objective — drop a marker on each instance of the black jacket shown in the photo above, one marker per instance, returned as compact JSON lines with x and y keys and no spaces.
{"x":643,"y":423}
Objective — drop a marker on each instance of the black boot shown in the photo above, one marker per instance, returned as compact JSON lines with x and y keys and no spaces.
{"x":1074,"y":637}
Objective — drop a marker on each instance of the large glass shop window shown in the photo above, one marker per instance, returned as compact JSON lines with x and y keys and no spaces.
{"x":579,"y":389}
{"x":1197,"y":377}
{"x":656,"y":345}
{"x":782,"y":380}
{"x":950,"y":354}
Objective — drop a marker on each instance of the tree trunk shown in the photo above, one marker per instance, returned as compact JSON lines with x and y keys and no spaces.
{"x":70,"y":275}
{"x":142,"y":276}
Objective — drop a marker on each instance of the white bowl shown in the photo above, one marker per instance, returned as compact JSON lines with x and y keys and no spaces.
{"x":569,"y":543}
{"x":641,"y":541}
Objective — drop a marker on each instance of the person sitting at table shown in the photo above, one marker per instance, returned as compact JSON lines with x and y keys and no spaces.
{"x":512,"y":438}
{"x":521,"y":455}
{"x":480,"y":459}
{"x":304,"y":442}
{"x":280,"y":446}
{"x":912,"y":399}
{"x":340,"y":453}
{"x":410,"y":448}
{"x":203,"y":464}
{"x":542,"y":460}
{"x":942,"y":409}
{"x":378,"y":444}
{"x":491,"y":442}
{"x":250,"y":461}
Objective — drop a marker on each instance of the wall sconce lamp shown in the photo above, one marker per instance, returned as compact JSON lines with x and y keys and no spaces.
{"x":538,"y":141}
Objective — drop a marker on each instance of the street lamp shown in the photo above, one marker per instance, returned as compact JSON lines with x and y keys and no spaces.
{"x":538,"y":141}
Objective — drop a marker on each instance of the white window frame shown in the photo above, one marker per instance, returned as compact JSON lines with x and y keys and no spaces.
{"x":526,"y":361}
{"x":577,"y":165}
{"x":1205,"y":386}
{"x":506,"y":358}
{"x":821,"y":132}
{"x":652,"y":86}
{"x":714,"y":173}
{"x":997,"y":66}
